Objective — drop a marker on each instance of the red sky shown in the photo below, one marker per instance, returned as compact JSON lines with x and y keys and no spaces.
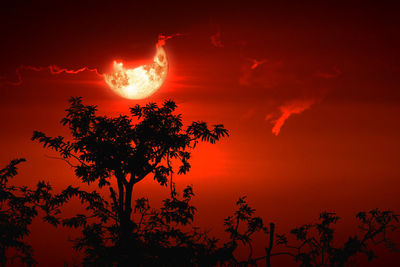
{"x":328,"y":74}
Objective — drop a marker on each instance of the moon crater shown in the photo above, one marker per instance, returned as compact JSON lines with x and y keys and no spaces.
{"x":140,"y":82}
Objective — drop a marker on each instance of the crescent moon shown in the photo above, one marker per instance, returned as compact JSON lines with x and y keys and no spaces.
{"x":140,"y":82}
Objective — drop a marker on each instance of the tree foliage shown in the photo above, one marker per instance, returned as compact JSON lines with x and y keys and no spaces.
{"x":128,"y":149}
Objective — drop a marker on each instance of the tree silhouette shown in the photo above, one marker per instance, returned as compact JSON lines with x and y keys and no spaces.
{"x":126,"y":149}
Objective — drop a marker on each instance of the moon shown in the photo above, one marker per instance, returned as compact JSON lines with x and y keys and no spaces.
{"x":140,"y":82}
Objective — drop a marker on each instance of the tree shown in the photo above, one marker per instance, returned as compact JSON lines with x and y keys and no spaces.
{"x":127,"y":149}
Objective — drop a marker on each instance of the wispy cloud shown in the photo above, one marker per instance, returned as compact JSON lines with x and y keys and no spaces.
{"x":286,"y":110}
{"x":52,"y":69}
{"x":255,"y":62}
{"x":162,"y":38}
{"x":216,"y":38}
{"x":262,"y":73}
{"x":328,"y":74}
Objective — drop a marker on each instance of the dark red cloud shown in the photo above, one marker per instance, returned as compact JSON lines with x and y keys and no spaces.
{"x":216,"y":38}
{"x":52,"y":69}
{"x":335,"y":72}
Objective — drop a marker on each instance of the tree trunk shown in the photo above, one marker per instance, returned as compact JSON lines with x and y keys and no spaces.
{"x":123,"y":213}
{"x":125,"y":232}
{"x":125,"y":219}
{"x":128,"y":202}
{"x":270,"y":245}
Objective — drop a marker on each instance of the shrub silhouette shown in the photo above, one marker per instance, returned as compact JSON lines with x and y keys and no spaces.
{"x":311,"y":244}
{"x":18,"y":207}
{"x":16,"y":215}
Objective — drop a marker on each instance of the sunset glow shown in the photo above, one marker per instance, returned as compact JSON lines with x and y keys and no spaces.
{"x":309,"y":92}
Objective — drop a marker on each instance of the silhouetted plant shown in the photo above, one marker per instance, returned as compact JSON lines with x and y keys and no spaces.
{"x":15,"y":217}
{"x":128,"y":149}
{"x":313,"y":243}
{"x":241,"y":227}
{"x":318,"y":249}
{"x":18,"y":207}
